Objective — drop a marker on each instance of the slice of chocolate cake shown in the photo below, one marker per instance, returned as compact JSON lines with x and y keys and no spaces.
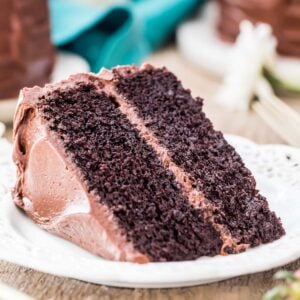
{"x":126,"y":165}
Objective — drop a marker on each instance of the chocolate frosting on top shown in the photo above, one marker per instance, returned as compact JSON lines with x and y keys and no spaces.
{"x":134,"y":178}
{"x":26,"y":52}
{"x":282,"y":15}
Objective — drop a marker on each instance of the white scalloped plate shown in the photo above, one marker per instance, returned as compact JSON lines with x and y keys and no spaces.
{"x":277,"y":170}
{"x":66,"y":64}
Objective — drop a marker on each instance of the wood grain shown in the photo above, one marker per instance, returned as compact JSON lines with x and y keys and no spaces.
{"x":45,"y":286}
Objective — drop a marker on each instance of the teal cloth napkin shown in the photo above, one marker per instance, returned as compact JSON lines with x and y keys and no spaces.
{"x":122,"y":33}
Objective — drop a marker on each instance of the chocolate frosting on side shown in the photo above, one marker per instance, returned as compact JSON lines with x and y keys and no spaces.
{"x":282,"y":15}
{"x":51,"y":192}
{"x":26,"y":52}
{"x":65,"y":195}
{"x":49,"y":189}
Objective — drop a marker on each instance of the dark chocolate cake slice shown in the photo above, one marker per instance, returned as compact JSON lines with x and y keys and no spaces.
{"x":125,"y":164}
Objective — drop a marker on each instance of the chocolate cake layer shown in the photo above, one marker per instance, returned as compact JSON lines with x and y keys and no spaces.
{"x":177,"y":120}
{"x":193,"y":194}
{"x":125,"y":164}
{"x":123,"y":172}
{"x":282,"y":15}
{"x":26,"y":52}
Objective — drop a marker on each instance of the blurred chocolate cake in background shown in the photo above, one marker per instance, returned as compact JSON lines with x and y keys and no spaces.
{"x":26,"y":52}
{"x":282,"y":15}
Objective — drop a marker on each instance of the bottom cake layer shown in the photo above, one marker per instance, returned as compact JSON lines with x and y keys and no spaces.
{"x":126,"y":165}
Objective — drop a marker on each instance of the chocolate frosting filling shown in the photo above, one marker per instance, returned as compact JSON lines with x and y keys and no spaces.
{"x":92,"y":130}
{"x":126,"y":165}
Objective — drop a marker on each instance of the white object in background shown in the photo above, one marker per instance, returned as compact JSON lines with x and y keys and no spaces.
{"x":66,"y":64}
{"x":277,"y":171}
{"x":253,"y":50}
{"x":279,"y":116}
{"x":199,"y":43}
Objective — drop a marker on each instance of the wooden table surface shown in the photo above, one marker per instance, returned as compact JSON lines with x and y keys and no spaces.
{"x":44,"y":286}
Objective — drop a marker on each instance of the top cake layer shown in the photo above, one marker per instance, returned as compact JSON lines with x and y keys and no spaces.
{"x":150,"y":165}
{"x":282,"y":15}
{"x":26,"y":53}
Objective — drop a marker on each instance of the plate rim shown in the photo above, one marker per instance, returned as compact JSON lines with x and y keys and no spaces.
{"x":193,"y":278}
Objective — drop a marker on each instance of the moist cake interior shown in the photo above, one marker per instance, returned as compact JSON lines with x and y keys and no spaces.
{"x":143,"y":147}
{"x":215,"y":167}
{"x":126,"y":175}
